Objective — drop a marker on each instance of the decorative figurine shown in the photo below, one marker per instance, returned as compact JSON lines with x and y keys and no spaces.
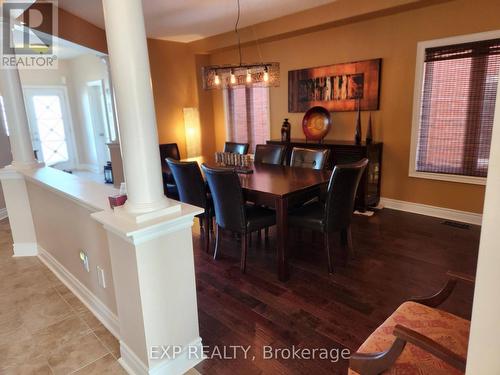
{"x":285,"y":131}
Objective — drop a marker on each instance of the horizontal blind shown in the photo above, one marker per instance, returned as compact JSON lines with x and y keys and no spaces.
{"x":457,"y":108}
{"x":248,"y":115}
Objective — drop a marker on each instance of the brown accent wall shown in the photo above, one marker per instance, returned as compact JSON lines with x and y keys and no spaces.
{"x":393,"y":38}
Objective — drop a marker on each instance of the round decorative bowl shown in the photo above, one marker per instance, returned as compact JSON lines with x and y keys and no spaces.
{"x":316,"y":123}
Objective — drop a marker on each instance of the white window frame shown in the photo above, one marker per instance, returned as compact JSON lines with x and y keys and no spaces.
{"x":417,"y":105}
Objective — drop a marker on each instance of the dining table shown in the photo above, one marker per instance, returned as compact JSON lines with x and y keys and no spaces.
{"x":280,"y":188}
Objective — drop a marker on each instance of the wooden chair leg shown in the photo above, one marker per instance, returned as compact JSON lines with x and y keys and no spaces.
{"x":244,"y":249}
{"x":266,"y":237}
{"x":207,"y":232}
{"x":259,"y":236}
{"x":249,"y":238}
{"x":218,"y":237}
{"x":329,"y":251}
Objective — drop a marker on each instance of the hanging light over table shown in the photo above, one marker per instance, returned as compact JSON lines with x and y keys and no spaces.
{"x":264,"y":74}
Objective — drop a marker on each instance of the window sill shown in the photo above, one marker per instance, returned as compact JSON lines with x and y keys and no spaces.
{"x":449,"y":177}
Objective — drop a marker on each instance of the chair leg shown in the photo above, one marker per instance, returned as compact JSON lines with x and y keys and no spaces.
{"x":313,"y":236}
{"x":218,"y":237}
{"x":207,"y":232}
{"x":266,"y":237}
{"x":259,"y":236}
{"x":346,"y":240}
{"x":244,"y":249}
{"x":329,"y":251}
{"x":249,"y":239}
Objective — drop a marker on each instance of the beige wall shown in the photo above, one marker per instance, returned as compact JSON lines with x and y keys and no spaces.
{"x":393,"y":38}
{"x":63,"y":228}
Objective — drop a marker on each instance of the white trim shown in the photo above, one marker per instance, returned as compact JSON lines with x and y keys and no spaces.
{"x":25,"y":249}
{"x":440,"y":212}
{"x":3,"y":213}
{"x":174,"y":366}
{"x":94,"y":304}
{"x":417,"y":104}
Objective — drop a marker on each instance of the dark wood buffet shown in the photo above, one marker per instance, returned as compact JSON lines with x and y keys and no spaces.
{"x":342,"y":152}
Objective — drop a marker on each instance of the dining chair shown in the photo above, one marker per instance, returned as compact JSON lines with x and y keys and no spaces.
{"x":309,"y":158}
{"x":269,"y":154}
{"x":193,"y":190}
{"x":336,"y":213}
{"x":236,"y":148}
{"x":169,"y":150}
{"x":231,"y":212}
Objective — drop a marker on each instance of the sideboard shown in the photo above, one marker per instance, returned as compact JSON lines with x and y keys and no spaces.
{"x":342,"y":152}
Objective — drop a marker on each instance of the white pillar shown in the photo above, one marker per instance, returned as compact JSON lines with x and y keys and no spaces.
{"x":129,"y":62}
{"x":483,"y":355}
{"x":17,"y":120}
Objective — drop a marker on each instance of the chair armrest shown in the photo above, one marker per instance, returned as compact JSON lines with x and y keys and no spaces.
{"x":430,"y":346}
{"x":376,"y":363}
{"x":438,"y":298}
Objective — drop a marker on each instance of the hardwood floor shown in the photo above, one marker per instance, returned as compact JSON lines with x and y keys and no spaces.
{"x":398,"y":255}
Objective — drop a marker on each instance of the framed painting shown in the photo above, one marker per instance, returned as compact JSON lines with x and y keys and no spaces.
{"x":336,"y":87}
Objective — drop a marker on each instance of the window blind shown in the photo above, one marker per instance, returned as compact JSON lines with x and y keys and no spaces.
{"x":457,"y":108}
{"x":248,"y":115}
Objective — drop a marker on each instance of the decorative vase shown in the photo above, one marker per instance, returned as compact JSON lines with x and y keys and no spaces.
{"x":285,"y":131}
{"x":357,"y":134}
{"x":369,"y":131}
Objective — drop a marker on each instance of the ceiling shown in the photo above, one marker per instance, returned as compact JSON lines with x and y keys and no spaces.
{"x":190,"y":20}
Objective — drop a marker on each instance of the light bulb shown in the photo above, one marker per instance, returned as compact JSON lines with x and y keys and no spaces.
{"x":249,"y":76}
{"x":233,"y":78}
{"x":217,"y":79}
{"x":266,"y":74}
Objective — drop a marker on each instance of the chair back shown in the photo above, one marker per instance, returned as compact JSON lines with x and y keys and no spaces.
{"x":342,"y":193}
{"x":309,"y":158}
{"x":169,"y":150}
{"x":189,"y":181}
{"x":236,"y":148}
{"x":227,"y":196}
{"x":269,"y":154}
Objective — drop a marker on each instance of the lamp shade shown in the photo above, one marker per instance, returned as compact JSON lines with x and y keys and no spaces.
{"x":192,"y":129}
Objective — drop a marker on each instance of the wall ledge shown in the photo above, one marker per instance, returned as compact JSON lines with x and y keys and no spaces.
{"x":434,"y":211}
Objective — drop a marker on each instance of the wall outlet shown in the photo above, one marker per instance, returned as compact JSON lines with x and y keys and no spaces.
{"x":85,"y":260}
{"x":101,"y":279}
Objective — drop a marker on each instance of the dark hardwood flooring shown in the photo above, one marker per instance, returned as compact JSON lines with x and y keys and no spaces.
{"x":398,"y":255}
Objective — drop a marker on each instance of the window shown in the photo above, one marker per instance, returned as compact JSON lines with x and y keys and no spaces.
{"x":453,"y":115}
{"x":3,"y":116}
{"x":247,"y":111}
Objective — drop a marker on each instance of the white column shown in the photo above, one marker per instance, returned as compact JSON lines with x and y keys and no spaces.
{"x":129,"y":62}
{"x":17,"y":120}
{"x":483,"y":355}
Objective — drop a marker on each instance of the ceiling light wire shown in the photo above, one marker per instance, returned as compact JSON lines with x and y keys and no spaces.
{"x":237,"y":31}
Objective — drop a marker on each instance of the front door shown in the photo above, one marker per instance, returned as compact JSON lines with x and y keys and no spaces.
{"x":49,"y":120}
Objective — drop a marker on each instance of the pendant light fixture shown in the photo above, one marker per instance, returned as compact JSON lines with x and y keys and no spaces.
{"x":263,"y":74}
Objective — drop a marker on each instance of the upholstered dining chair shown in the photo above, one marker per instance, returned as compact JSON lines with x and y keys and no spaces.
{"x":336,"y":213}
{"x":269,"y":154}
{"x":169,"y":150}
{"x":193,"y":190}
{"x":236,"y":148}
{"x":309,"y":158}
{"x":231,"y":212}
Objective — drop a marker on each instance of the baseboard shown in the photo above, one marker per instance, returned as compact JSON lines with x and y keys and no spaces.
{"x":440,"y":212}
{"x":3,"y":213}
{"x":94,"y":304}
{"x":25,"y":249}
{"x":175,"y":366}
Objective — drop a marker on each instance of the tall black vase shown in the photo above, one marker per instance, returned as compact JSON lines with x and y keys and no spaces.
{"x":369,"y":132}
{"x":357,"y":134}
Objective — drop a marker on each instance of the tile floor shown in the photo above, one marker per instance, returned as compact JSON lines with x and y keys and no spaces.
{"x":44,"y":328}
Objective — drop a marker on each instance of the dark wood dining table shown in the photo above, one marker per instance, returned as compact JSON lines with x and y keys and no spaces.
{"x":279,"y":187}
